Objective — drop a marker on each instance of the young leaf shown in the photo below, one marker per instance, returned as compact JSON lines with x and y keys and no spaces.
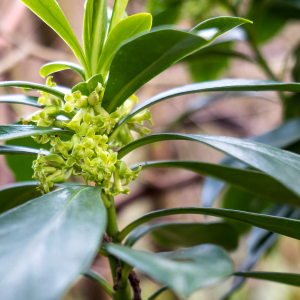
{"x":87,"y":87}
{"x":250,"y":181}
{"x":94,"y":31}
{"x":124,"y":30}
{"x":56,"y":66}
{"x":290,"y":279}
{"x":118,"y":12}
{"x":284,"y":226}
{"x":182,"y":271}
{"x":20,"y":99}
{"x":50,"y":12}
{"x":187,"y":234}
{"x":9,"y":132}
{"x":33,"y":86}
{"x":262,"y":157}
{"x":141,"y":59}
{"x":222,"y":85}
{"x":44,"y":243}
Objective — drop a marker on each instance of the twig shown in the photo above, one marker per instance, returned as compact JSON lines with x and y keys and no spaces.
{"x":135,"y":283}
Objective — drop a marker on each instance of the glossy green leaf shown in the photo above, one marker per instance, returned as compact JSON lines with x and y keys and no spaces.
{"x":222,"y":85}
{"x":9,"y":132}
{"x":141,"y":59}
{"x":94,"y":31}
{"x":118,"y":12}
{"x":33,"y":86}
{"x":262,"y":157}
{"x":217,"y":26}
{"x":283,"y":136}
{"x":187,"y":234}
{"x":17,"y":194}
{"x":258,"y":244}
{"x":56,"y":66}
{"x":182,"y":271}
{"x":290,"y":279}
{"x":129,"y":27}
{"x":44,"y":243}
{"x":250,"y":181}
{"x":17,"y":150}
{"x":50,"y":12}
{"x":20,"y":99}
{"x":284,"y":226}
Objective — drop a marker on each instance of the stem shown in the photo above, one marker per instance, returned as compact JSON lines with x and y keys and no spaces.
{"x":123,"y":293}
{"x":259,"y":56}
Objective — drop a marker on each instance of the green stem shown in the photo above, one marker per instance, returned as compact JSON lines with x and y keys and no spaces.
{"x":261,"y":61}
{"x":112,"y":227}
{"x":123,"y":293}
{"x":259,"y":57}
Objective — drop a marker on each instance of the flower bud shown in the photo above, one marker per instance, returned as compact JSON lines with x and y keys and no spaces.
{"x":88,"y":143}
{"x":51,"y":110}
{"x":77,"y":95}
{"x":99,"y":88}
{"x":53,"y":160}
{"x":49,"y":169}
{"x":69,"y":107}
{"x":93,"y":98}
{"x":82,"y":102}
{"x":75,"y":139}
{"x":67,"y":175}
{"x":56,"y":177}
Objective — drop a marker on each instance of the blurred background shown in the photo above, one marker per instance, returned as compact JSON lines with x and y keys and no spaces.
{"x":26,"y":44}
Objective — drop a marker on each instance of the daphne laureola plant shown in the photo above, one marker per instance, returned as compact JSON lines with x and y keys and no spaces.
{"x":47,"y":242}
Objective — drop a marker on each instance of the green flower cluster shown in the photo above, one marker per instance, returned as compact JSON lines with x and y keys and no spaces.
{"x":90,"y":151}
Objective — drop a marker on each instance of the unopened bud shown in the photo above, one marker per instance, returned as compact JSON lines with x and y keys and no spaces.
{"x":49,"y":169}
{"x":93,"y":98}
{"x":52,"y":110}
{"x":57,"y":176}
{"x":99,"y":88}
{"x":77,"y":95}
{"x":54,"y":160}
